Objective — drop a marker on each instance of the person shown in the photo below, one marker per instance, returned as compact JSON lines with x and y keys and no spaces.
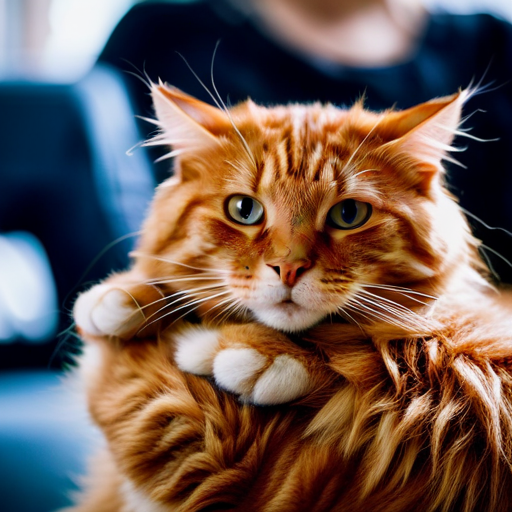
{"x":393,"y":52}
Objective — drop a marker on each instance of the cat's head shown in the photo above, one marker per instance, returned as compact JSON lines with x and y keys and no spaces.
{"x":297,"y":213}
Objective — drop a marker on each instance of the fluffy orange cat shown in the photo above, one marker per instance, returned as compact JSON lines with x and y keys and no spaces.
{"x":307,"y":325}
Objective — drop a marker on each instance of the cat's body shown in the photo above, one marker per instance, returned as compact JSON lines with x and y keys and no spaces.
{"x":307,"y":260}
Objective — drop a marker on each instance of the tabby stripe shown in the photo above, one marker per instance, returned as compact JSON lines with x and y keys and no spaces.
{"x":269,"y":172}
{"x":289,"y":155}
{"x":260,"y":167}
{"x":317,"y":162}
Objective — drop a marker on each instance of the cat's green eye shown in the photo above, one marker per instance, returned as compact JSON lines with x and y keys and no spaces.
{"x":244,"y":210}
{"x":349,"y":214}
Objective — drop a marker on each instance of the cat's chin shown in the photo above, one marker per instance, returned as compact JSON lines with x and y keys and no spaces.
{"x":288,"y":316}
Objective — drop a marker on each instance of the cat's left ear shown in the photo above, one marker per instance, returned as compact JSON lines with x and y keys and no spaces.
{"x":185,"y":122}
{"x":425,"y":132}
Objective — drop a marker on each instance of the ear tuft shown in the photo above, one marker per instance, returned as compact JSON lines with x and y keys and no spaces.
{"x":426,"y":132}
{"x":185,"y":123}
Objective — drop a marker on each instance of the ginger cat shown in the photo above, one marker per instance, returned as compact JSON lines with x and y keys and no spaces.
{"x":306,"y":326}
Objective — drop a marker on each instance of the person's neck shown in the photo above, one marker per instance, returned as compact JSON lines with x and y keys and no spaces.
{"x":352,"y":32}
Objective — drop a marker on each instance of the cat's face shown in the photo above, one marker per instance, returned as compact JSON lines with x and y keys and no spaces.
{"x":303,"y":212}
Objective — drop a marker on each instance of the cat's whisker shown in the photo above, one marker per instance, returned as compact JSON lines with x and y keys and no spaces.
{"x":496,"y":253}
{"x":228,"y":113}
{"x":220,"y":304}
{"x":193,"y":309}
{"x":140,"y":254}
{"x":392,"y":302}
{"x":233,"y":305}
{"x":345,"y":313}
{"x":200,"y":277}
{"x":196,"y":302}
{"x":360,"y":146}
{"x":399,"y":289}
{"x":217,"y":99}
{"x":484,"y":224}
{"x":182,"y":295}
{"x":405,"y":317}
{"x":357,"y":311}
{"x":387,"y":308}
{"x":380,"y":315}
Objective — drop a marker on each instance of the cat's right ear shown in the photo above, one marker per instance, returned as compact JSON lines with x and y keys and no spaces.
{"x":185,"y":123}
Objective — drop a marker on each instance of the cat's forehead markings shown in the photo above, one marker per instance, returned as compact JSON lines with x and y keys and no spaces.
{"x":267,"y":173}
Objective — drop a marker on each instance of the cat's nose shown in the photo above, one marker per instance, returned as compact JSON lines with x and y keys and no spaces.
{"x":290,"y":272}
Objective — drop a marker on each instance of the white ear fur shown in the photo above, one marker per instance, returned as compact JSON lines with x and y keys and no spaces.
{"x":430,"y":140}
{"x":183,"y":121}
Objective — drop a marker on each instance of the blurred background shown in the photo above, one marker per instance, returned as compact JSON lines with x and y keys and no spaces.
{"x":72,"y":194}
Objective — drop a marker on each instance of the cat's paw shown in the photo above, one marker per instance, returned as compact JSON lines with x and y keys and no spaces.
{"x":196,"y":348}
{"x":258,"y":380}
{"x":106,"y":310}
{"x":241,"y":369}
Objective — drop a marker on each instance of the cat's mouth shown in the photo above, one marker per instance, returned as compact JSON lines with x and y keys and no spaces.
{"x":287,"y":315}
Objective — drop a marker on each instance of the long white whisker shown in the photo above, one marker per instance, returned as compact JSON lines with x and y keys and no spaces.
{"x":358,"y":312}
{"x":228,"y":113}
{"x":231,"y":304}
{"x":350,"y":317}
{"x":166,"y":260}
{"x":401,"y":315}
{"x":377,"y":314}
{"x":353,"y":155}
{"x":187,"y":312}
{"x":200,"y":277}
{"x":487,"y":226}
{"x":399,"y":289}
{"x":496,"y":253}
{"x":382,"y":307}
{"x":188,"y":304}
{"x":181,"y":294}
{"x":397,"y":305}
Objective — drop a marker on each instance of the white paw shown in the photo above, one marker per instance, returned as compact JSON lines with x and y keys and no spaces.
{"x":195,"y":350}
{"x":284,"y":381}
{"x":235,"y":370}
{"x":105,"y":310}
{"x":239,"y":370}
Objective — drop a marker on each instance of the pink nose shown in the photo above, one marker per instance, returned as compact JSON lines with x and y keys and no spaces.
{"x":290,"y":272}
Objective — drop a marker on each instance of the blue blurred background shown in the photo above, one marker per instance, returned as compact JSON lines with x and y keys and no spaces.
{"x":72,"y":199}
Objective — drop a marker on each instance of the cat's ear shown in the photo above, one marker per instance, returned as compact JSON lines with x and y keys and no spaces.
{"x":425,"y":132}
{"x":185,"y":123}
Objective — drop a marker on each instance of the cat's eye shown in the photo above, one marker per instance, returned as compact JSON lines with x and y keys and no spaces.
{"x":349,"y":214}
{"x":244,"y":210}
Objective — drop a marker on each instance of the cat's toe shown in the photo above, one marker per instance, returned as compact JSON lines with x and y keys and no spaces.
{"x":248,"y":373}
{"x":196,"y":349}
{"x":236,"y":370}
{"x":284,"y":381}
{"x":105,"y":310}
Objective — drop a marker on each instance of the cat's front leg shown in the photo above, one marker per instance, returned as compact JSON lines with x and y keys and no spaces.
{"x":122,"y":306}
{"x":257,"y":363}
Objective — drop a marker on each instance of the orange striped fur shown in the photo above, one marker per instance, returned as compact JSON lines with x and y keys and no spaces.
{"x":304,"y":356}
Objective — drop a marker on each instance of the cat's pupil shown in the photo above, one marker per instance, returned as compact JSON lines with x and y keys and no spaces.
{"x":245,"y":207}
{"x":349,"y":211}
